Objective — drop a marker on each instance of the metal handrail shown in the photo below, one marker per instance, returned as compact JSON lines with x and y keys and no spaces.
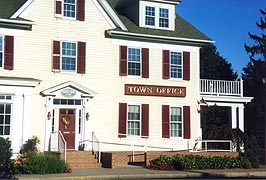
{"x":60,"y":136}
{"x":205,"y":143}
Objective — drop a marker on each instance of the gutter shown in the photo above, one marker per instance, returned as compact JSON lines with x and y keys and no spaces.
{"x":129,"y":35}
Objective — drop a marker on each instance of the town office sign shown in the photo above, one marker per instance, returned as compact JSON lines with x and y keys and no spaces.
{"x":151,"y":90}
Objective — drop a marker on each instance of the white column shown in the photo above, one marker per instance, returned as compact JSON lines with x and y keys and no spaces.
{"x":48,"y":121}
{"x":233,"y":117}
{"x":241,"y":117}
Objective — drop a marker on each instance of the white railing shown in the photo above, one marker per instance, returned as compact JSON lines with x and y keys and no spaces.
{"x":213,"y":145}
{"x":221,"y":87}
{"x":58,"y":143}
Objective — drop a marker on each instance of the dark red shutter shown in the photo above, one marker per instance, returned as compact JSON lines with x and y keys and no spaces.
{"x":58,"y":7}
{"x":122,"y":124}
{"x":56,"y":55}
{"x":81,"y":66}
{"x":186,"y":118}
{"x":165,"y":121}
{"x":145,"y":120}
{"x":145,"y":62}
{"x":123,"y":61}
{"x":81,"y":10}
{"x":166,"y":64}
{"x":186,"y":66}
{"x":9,"y":53}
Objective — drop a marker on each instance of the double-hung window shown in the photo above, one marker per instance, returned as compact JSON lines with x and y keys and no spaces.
{"x":176,"y":65}
{"x":164,"y":18}
{"x":5,"y":114}
{"x":134,"y":61}
{"x":150,"y":16}
{"x":133,"y":121}
{"x":69,"y":56}
{"x":176,"y":122}
{"x":1,"y":51}
{"x":70,"y":8}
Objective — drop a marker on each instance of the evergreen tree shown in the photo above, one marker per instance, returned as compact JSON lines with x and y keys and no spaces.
{"x":254,"y":75}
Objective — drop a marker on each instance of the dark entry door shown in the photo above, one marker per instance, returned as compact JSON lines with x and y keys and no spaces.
{"x":67,"y":126}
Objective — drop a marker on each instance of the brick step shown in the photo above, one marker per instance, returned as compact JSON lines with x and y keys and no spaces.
{"x":81,"y":159}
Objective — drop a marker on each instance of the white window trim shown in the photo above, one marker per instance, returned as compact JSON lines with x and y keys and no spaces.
{"x":157,"y":6}
{"x":9,"y":101}
{"x":66,"y":17}
{"x":140,"y":62}
{"x":3,"y":51}
{"x":61,"y":58}
{"x":182,"y":119}
{"x":140,"y":120}
{"x":172,"y":78}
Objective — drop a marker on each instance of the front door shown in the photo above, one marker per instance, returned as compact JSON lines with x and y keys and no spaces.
{"x":67,"y":126}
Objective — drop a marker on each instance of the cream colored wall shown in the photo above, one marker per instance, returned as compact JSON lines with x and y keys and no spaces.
{"x":33,"y":59}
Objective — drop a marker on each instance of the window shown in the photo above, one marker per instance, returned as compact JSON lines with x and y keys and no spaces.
{"x":164,"y":18}
{"x":5,"y":114}
{"x":67,"y":101}
{"x":70,"y":8}
{"x":175,"y":122}
{"x":133,"y":121}
{"x":69,"y":56}
{"x":150,"y":16}
{"x":134,"y":61}
{"x":1,"y":51}
{"x":176,"y":66}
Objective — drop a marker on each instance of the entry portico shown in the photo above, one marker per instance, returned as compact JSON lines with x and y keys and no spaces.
{"x":67,"y":113}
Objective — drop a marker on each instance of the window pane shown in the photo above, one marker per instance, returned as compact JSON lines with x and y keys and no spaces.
{"x":69,"y":8}
{"x":1,"y":130}
{"x":164,"y":18}
{"x":150,"y":16}
{"x":134,"y":63}
{"x":69,"y":52}
{"x":176,"y":68}
{"x":7,"y":119}
{"x":6,"y":130}
{"x":8,"y":108}
{"x":2,"y":107}
{"x":1,"y":119}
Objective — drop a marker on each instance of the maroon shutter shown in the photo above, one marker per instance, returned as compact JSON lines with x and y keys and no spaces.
{"x":145,"y":120}
{"x":56,"y":55}
{"x":81,"y":66}
{"x":166,"y":64}
{"x":9,"y":53}
{"x":81,"y":10}
{"x":122,"y":124}
{"x":145,"y":62}
{"x":58,"y":7}
{"x":186,"y":66}
{"x":165,"y":121}
{"x":186,"y":118}
{"x":123,"y":61}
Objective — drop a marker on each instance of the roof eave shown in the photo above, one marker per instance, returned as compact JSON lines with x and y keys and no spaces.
{"x":16,"y":24}
{"x":158,"y":39}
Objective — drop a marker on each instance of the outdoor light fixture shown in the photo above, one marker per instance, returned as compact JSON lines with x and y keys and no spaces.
{"x":49,"y":115}
{"x":87,"y":116}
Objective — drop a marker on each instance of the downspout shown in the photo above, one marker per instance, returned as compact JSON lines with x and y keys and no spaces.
{"x":23,"y":119}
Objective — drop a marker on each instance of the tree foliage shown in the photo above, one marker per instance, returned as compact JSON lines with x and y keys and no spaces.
{"x":214,"y":66}
{"x":254,"y":86}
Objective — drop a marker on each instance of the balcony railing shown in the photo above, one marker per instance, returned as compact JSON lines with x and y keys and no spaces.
{"x":221,"y":87}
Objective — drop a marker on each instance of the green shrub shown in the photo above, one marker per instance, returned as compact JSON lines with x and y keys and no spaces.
{"x":30,"y":145}
{"x":7,"y":169}
{"x":43,"y":163}
{"x":199,"y":162}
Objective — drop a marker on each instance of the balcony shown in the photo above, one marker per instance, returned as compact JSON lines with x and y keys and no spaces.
{"x":221,"y":88}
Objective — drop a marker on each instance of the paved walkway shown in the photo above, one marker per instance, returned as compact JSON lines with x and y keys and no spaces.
{"x":130,"y":172}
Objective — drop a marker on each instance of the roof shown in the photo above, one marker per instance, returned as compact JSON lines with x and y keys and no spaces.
{"x":9,"y":7}
{"x":183,"y":29}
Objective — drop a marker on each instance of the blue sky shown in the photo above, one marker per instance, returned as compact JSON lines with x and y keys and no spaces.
{"x":227,"y":22}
